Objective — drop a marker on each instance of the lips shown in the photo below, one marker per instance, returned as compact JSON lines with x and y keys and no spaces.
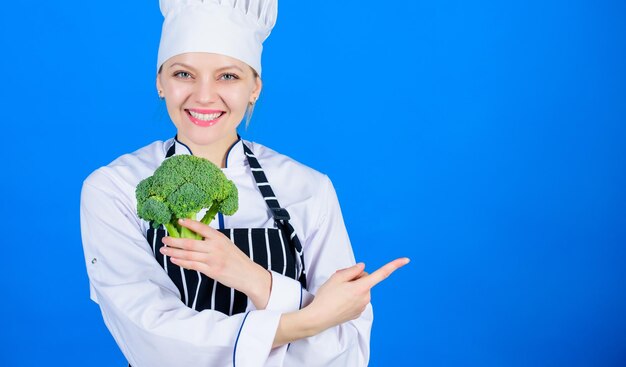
{"x":204,"y":118}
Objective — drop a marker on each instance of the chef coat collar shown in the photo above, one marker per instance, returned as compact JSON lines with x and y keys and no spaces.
{"x":235,"y":156}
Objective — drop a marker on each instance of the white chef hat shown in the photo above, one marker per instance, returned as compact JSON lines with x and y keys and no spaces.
{"x":235,"y":28}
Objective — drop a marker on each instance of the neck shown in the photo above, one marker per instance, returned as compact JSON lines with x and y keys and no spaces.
{"x":214,"y":152}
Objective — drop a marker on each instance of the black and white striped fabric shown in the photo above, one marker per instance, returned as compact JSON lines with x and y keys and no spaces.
{"x":281,"y":216}
{"x":277,"y":249}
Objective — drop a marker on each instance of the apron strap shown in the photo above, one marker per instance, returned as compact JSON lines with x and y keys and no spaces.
{"x":171,"y":151}
{"x":281,"y":215}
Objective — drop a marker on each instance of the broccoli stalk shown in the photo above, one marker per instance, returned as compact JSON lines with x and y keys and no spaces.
{"x":210,"y":214}
{"x":180,"y":188}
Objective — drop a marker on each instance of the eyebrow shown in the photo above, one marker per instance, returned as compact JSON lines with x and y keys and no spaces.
{"x":220,"y":69}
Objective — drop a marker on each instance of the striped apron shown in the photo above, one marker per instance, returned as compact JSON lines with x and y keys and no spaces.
{"x":276,"y":249}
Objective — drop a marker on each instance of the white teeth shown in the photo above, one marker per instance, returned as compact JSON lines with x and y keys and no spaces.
{"x":205,"y":116}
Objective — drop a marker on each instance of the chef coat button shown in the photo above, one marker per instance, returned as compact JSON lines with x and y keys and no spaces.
{"x":94,"y":260}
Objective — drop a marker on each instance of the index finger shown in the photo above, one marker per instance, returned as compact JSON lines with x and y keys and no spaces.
{"x":383,"y":272}
{"x":200,"y":228}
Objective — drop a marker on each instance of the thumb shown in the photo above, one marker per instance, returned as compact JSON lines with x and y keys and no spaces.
{"x":351,"y":272}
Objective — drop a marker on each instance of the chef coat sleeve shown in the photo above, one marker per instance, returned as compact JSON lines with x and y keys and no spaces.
{"x":326,"y":249}
{"x":140,"y":304}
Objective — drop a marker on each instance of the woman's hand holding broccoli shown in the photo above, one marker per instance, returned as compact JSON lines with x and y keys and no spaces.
{"x":218,"y":258}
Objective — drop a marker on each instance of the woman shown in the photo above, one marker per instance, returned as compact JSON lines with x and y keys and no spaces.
{"x":276,"y":283}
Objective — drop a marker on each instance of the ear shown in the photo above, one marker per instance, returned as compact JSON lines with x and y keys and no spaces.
{"x":158,"y":83}
{"x":258,"y":85}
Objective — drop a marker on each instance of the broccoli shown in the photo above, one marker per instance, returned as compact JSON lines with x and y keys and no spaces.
{"x":181,"y":187}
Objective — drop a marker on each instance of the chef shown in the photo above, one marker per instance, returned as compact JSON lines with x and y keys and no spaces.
{"x":276,"y":283}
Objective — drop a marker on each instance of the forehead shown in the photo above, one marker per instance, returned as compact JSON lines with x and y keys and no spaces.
{"x":205,"y":61}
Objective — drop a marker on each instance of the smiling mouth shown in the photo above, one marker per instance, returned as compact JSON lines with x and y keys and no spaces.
{"x":204,"y":119}
{"x":205,"y":116}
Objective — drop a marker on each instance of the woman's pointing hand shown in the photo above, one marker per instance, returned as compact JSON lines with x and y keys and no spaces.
{"x":346,"y":294}
{"x":343,"y":297}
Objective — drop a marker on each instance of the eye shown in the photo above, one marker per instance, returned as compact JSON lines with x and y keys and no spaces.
{"x":182,"y":75}
{"x":229,"y":76}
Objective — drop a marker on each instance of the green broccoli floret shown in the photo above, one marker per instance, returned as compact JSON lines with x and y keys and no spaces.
{"x":180,"y":188}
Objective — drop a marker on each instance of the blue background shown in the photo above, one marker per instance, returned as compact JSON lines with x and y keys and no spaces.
{"x":484,"y":140}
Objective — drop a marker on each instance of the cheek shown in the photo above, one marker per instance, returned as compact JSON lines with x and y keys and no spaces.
{"x":178,"y":95}
{"x":174,"y":101}
{"x":236,"y":98}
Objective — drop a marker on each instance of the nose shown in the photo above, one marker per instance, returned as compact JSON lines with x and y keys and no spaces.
{"x":206,"y":91}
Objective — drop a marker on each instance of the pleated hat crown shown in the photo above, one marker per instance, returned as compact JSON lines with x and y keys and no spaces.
{"x":235,"y":28}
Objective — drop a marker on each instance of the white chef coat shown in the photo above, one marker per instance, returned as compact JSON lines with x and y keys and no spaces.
{"x":142,"y":307}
